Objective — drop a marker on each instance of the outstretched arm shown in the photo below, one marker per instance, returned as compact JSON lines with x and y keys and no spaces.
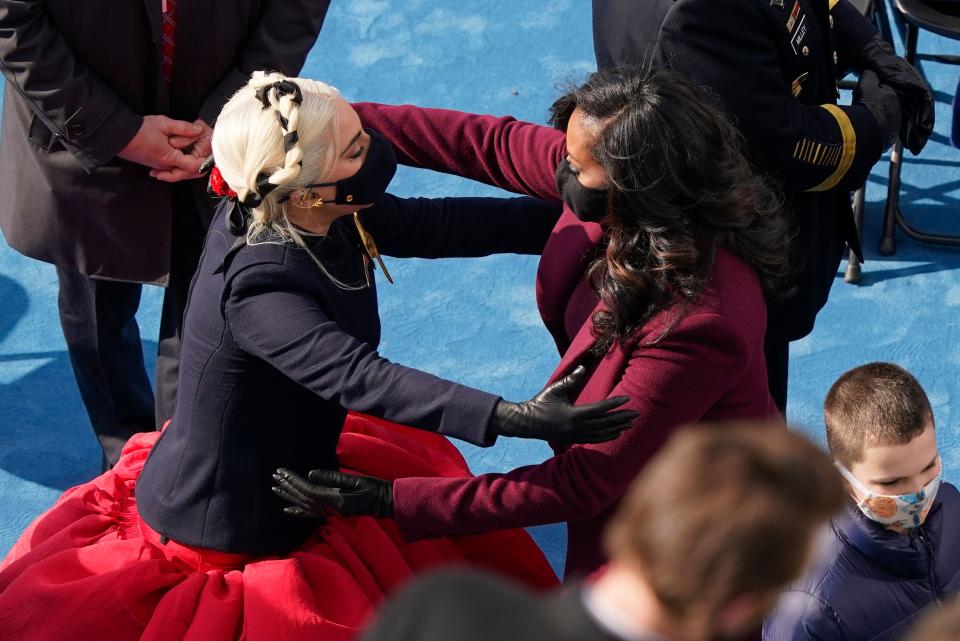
{"x":511,"y":154}
{"x":460,"y":227}
{"x":313,"y":350}
{"x":670,"y":384}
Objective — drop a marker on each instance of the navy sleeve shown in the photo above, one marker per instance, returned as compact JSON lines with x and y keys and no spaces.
{"x":806,"y":147}
{"x":460,"y":227}
{"x":800,"y":616}
{"x":274,"y":320}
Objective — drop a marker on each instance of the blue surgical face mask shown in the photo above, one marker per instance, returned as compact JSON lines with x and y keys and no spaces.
{"x":903,"y":510}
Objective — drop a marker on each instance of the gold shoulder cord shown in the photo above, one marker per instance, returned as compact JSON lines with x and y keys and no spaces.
{"x":371,"y":251}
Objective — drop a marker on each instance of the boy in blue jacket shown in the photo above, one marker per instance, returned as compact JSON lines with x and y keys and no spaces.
{"x":894,"y":551}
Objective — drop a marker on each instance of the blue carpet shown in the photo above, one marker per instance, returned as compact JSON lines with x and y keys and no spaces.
{"x":501,"y":57}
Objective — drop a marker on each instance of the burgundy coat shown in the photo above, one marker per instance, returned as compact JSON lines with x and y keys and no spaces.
{"x":710,"y":367}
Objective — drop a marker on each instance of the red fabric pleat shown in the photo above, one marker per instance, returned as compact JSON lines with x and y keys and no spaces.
{"x":89,"y":568}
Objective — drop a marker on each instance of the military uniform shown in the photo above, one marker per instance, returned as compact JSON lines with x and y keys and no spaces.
{"x":774,"y":67}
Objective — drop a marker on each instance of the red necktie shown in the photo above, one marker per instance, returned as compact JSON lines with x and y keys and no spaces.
{"x":169,"y":29}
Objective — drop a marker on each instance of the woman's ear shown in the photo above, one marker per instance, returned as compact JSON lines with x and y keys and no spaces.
{"x":306,"y":199}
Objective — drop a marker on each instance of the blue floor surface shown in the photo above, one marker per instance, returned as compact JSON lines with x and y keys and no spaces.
{"x":475,"y":321}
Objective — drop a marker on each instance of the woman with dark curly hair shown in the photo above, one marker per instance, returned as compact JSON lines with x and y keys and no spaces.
{"x":653,"y":278}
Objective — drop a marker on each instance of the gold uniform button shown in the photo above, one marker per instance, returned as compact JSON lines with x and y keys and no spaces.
{"x":350,"y":199}
{"x":806,"y":51}
{"x":835,"y":58}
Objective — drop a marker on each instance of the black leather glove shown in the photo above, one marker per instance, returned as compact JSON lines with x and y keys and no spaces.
{"x":549,"y":415}
{"x":883,"y":103}
{"x":916,"y":97}
{"x":329,"y":490}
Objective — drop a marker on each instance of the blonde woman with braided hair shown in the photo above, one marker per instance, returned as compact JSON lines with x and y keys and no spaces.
{"x":279,"y":368}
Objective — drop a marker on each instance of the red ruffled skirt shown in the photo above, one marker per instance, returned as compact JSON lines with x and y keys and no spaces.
{"x":89,"y":568}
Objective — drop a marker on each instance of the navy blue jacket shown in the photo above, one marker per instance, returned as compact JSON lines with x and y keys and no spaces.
{"x":274,"y":354}
{"x":873,"y":583}
{"x":773,"y":65}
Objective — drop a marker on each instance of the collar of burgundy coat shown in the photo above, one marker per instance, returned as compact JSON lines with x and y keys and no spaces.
{"x":566,"y":256}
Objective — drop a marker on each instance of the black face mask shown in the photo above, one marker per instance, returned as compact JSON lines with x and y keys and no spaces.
{"x":590,"y":205}
{"x":370,"y":182}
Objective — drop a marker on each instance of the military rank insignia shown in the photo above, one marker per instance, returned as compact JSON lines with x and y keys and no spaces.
{"x":817,"y":153}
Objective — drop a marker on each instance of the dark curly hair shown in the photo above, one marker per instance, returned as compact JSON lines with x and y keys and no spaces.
{"x":680,"y":189}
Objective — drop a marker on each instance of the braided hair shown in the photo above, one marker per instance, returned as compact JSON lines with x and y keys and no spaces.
{"x":284,"y":97}
{"x":274,"y":136}
{"x":261,"y":140}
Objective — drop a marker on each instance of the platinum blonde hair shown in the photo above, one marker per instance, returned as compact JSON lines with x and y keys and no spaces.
{"x":268,"y":144}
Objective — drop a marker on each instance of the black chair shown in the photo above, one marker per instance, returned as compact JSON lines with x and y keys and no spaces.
{"x":943,"y":18}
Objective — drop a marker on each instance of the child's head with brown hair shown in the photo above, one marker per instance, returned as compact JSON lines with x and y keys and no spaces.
{"x":880,"y":430}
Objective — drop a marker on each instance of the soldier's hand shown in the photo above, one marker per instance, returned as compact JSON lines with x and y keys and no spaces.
{"x":916,"y":97}
{"x":882,"y":101}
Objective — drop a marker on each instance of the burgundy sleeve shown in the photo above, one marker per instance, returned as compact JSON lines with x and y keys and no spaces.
{"x":505,"y":152}
{"x":670,"y":384}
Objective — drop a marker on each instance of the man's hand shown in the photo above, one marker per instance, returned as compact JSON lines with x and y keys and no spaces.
{"x":151,"y":147}
{"x":192,"y":146}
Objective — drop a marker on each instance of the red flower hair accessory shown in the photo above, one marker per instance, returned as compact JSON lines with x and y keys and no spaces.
{"x":218,"y":186}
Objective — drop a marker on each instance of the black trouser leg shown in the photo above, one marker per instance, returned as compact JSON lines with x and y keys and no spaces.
{"x":189,"y":226}
{"x":103,"y":340}
{"x":776,"y":350}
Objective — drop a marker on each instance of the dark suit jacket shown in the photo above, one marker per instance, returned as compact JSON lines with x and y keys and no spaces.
{"x":478,"y":607}
{"x":80,"y":77}
{"x":710,"y":366}
{"x":773,"y":65}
